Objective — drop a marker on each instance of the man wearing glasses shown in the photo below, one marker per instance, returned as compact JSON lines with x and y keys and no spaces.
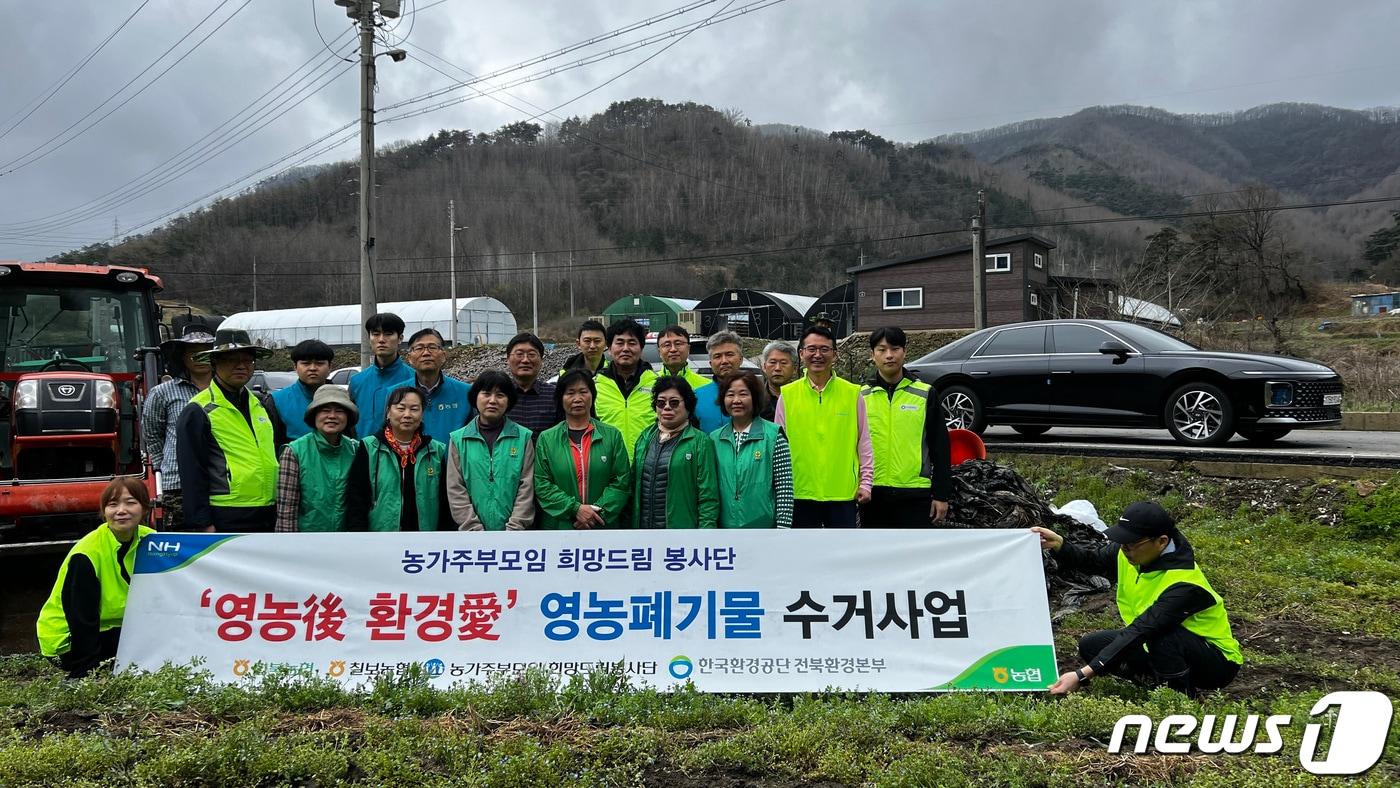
{"x":535,"y":407}
{"x":1175,"y":628}
{"x":445,"y":398}
{"x":833,"y":464}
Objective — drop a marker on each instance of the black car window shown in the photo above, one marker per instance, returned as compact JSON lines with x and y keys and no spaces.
{"x":1016,"y":342}
{"x":1150,"y":340}
{"x":1079,"y":339}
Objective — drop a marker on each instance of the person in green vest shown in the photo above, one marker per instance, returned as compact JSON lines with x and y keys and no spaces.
{"x":753,"y":461}
{"x":1176,"y":630}
{"x":313,"y":470}
{"x":80,"y":624}
{"x":833,"y":465}
{"x":224,"y":444}
{"x":582,"y":476}
{"x":396,"y":478}
{"x":624,"y":386}
{"x":491,"y":462}
{"x":674,"y":482}
{"x":913,"y":478}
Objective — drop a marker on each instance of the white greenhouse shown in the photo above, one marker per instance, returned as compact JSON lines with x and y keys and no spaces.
{"x":481,"y":320}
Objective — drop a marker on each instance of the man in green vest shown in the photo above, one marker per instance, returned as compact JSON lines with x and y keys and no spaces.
{"x":224,"y":445}
{"x":624,"y":386}
{"x":1176,"y":629}
{"x":913,"y":479}
{"x":833,"y":465}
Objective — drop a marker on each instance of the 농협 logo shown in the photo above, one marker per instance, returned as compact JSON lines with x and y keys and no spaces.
{"x":1361,"y":723}
{"x":681,"y":667}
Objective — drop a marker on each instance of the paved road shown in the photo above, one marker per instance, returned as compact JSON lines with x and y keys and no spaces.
{"x":1310,"y":447}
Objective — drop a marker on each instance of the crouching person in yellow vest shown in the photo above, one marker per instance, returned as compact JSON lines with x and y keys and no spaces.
{"x":1176,"y":629}
{"x":81,"y":623}
{"x":225,"y":445}
{"x":397,"y":477}
{"x":314,"y":469}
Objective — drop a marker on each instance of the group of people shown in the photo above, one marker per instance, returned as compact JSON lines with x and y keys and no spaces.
{"x":612,"y":444}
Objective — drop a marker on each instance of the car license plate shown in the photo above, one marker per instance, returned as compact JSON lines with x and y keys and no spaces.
{"x":1331,"y":399}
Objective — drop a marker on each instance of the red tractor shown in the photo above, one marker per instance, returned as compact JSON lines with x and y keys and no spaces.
{"x":80,"y":351}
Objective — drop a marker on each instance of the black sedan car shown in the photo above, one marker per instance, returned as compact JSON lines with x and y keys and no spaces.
{"x":1107,"y":373}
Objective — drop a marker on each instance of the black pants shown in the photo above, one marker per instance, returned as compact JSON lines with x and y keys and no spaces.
{"x":1178,"y":658}
{"x":824,"y":514}
{"x":244,"y":519}
{"x":79,"y":666}
{"x":893,"y":508}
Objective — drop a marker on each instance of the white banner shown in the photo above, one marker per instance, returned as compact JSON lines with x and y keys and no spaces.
{"x":730,"y":610}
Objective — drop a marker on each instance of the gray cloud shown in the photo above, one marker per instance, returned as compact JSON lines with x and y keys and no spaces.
{"x":907,"y":69}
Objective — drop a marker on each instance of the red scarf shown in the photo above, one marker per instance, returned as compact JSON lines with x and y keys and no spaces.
{"x":406,"y":455}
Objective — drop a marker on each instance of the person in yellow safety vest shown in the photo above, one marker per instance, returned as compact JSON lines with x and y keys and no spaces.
{"x":673,"y":345}
{"x":624,"y":386}
{"x":833,"y":465}
{"x":913,"y":478}
{"x":81,"y":623}
{"x":225,"y":445}
{"x":1176,"y":630}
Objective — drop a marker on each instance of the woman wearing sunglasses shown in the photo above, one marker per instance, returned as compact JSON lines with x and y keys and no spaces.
{"x":675,"y":484}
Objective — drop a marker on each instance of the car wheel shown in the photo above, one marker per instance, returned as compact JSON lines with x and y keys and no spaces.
{"x":1199,"y":414}
{"x":1030,"y":430}
{"x":1262,"y":434}
{"x":963,"y":410}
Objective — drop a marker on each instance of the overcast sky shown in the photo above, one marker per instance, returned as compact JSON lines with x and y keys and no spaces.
{"x":905,"y":69}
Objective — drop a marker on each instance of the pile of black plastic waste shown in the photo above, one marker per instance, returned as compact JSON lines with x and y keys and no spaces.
{"x":987,"y":495}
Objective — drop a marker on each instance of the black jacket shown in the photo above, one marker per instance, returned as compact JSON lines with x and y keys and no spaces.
{"x":1177,"y":603}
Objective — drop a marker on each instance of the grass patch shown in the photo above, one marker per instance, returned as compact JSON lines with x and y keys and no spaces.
{"x":1315,"y":598}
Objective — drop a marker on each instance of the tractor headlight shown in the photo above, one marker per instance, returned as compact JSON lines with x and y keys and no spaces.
{"x":104,"y":395}
{"x":27,"y":395}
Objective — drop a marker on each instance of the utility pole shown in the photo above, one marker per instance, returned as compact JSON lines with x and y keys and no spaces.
{"x":452,"y":263}
{"x":571,"y":283}
{"x":255,"y":283}
{"x":979,"y":263}
{"x":535,"y":292}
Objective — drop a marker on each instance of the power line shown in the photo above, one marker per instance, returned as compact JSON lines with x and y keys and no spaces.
{"x":73,"y":72}
{"x":29,"y":158}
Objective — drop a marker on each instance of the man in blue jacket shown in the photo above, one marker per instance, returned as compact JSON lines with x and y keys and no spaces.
{"x":287,"y":405}
{"x":446,"y":408}
{"x":370,"y":387}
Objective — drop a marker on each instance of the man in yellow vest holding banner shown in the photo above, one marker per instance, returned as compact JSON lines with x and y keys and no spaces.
{"x":224,"y":443}
{"x":913,"y":480}
{"x":833,"y":465}
{"x":1176,"y":631}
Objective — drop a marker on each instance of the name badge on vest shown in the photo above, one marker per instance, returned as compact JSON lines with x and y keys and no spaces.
{"x":908,"y":407}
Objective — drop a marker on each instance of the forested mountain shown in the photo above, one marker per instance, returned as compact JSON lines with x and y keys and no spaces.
{"x":1143,"y":160}
{"x":682,"y":199}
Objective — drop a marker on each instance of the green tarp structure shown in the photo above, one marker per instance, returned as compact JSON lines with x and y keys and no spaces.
{"x":653,"y":312}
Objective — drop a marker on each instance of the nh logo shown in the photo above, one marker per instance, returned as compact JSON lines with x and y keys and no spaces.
{"x":162,"y":546}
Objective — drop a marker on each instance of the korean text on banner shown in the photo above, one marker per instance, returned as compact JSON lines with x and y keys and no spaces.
{"x":731,"y":611}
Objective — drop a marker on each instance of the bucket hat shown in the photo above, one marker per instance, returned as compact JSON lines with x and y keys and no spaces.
{"x":230,"y":340}
{"x":331,"y":394}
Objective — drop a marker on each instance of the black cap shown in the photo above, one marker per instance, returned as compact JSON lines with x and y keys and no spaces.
{"x":1142,"y":520}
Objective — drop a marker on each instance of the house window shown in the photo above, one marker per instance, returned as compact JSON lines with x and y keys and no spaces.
{"x":998,"y":263}
{"x":904,"y":298}
{"x":1039,"y":260}
{"x":1035,"y":299}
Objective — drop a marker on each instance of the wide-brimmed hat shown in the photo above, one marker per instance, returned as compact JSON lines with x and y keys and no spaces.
{"x":191,"y":334}
{"x":331,"y":394}
{"x":232,"y":340}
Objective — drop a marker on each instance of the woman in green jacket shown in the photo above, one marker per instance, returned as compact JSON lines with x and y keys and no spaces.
{"x":674,"y":482}
{"x":81,"y":623}
{"x":753,"y":461}
{"x":396,"y":478}
{"x":582,"y":476}
{"x":313,"y":469}
{"x":491,"y":462}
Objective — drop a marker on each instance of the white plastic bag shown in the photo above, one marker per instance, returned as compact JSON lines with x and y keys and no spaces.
{"x":1084,"y":512}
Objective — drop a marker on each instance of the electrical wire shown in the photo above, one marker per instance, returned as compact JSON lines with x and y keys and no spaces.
{"x":73,"y":72}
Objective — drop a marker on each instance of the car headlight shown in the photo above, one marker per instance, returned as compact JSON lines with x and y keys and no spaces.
{"x":27,"y":395}
{"x":104,"y":395}
{"x":1280,"y":394}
